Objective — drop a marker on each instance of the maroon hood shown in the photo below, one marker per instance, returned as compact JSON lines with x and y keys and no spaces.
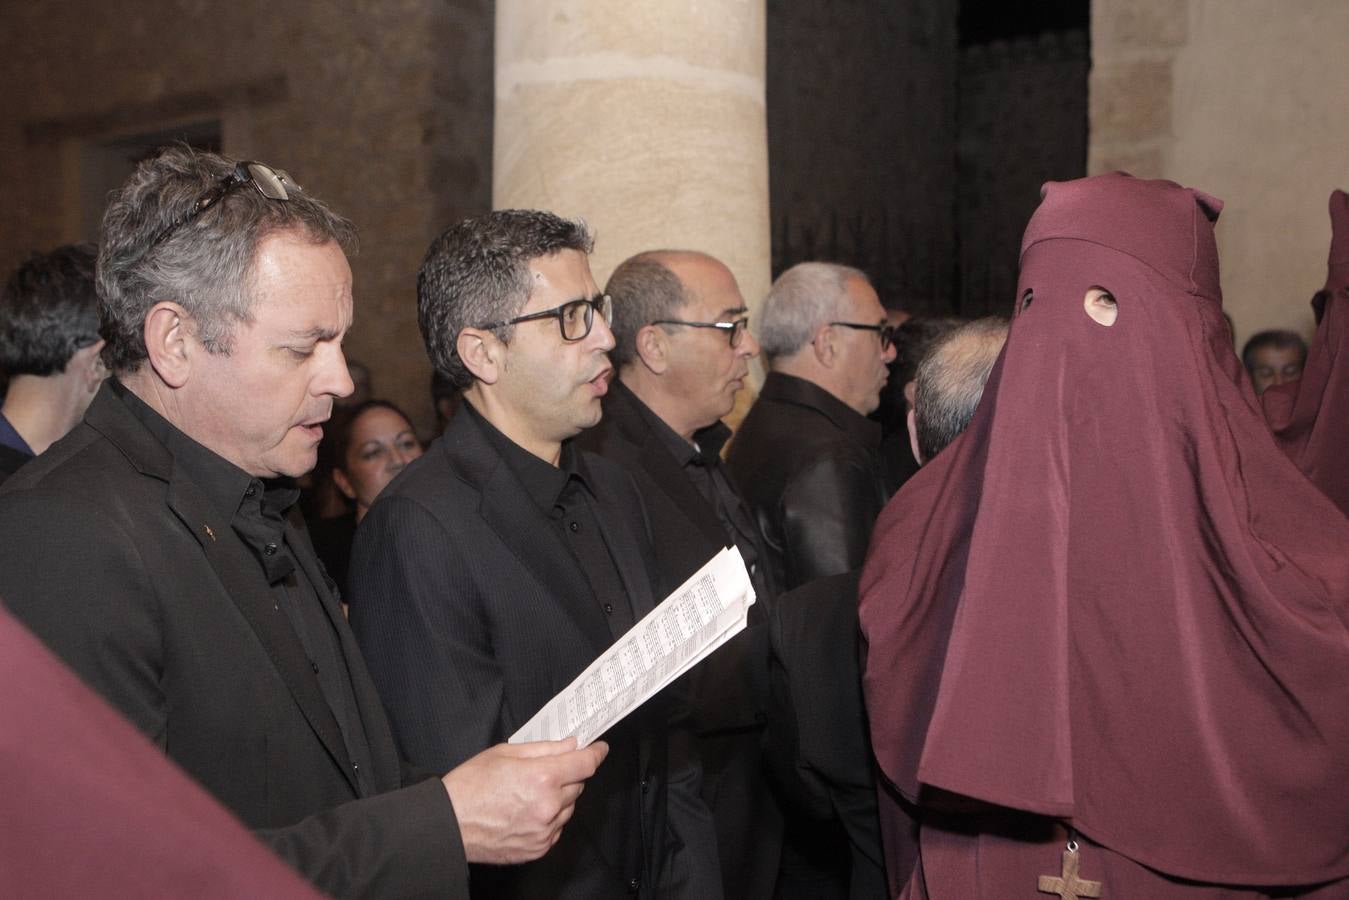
{"x":1310,"y":416}
{"x":1113,"y":600}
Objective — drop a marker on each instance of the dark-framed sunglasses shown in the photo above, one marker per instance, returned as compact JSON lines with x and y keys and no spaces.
{"x":887,"y":332}
{"x":574,"y":318}
{"x":274,"y":184}
{"x":735,"y":330}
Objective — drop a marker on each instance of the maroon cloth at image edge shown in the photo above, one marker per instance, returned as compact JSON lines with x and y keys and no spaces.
{"x":1113,"y":600}
{"x":1310,"y":416}
{"x":90,"y":808}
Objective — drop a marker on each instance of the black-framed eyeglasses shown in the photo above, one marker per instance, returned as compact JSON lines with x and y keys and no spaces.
{"x":274,"y":184}
{"x":574,"y":318}
{"x":887,"y":332}
{"x":735,"y":330}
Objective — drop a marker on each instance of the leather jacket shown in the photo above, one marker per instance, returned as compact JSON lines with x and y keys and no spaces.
{"x":809,"y":466}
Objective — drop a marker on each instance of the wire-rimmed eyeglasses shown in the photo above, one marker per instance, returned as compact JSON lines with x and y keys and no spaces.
{"x":735,"y":330}
{"x":887,"y":332}
{"x":274,"y":184}
{"x":574,"y":318}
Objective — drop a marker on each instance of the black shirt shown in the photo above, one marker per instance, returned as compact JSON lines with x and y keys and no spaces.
{"x":564,"y":495}
{"x":701,"y":462}
{"x":257,"y":513}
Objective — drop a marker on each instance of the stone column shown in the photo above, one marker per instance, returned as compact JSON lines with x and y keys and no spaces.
{"x":1245,"y":99}
{"x":644,"y":117}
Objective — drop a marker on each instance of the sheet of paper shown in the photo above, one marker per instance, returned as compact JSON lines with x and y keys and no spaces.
{"x":698,"y":617}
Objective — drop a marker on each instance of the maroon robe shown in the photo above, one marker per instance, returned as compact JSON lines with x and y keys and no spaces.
{"x":1113,"y":602}
{"x":90,"y":808}
{"x":1310,"y":416}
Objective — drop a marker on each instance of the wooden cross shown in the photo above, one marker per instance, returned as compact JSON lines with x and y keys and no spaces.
{"x":1069,"y":886}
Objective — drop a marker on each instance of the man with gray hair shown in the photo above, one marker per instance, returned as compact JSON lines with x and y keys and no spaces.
{"x":151,"y":549}
{"x":949,"y":383}
{"x":806,"y":455}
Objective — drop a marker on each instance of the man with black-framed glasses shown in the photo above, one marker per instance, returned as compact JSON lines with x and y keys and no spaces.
{"x":806,"y":453}
{"x":683,"y":349}
{"x":808,"y":459}
{"x":500,"y":564}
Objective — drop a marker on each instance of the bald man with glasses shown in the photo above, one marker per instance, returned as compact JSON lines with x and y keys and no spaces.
{"x":683,"y":349}
{"x":500,"y":564}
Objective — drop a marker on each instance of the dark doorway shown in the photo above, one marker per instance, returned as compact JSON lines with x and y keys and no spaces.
{"x":106,"y":164}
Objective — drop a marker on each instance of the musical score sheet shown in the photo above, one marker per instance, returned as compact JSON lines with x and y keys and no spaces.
{"x":698,"y":617}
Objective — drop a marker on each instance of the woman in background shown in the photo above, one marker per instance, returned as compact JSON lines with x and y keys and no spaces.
{"x":365,"y":447}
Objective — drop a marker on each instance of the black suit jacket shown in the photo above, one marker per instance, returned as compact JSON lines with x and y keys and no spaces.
{"x":10,"y":461}
{"x":819,"y":746}
{"x":123,"y":567}
{"x":473,"y":613}
{"x":729,"y":688}
{"x":809,"y":466}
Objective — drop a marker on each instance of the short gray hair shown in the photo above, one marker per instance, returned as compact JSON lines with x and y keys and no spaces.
{"x":950,"y":382}
{"x":206,"y":264}
{"x":804,"y":297}
{"x":644,"y":291}
{"x":477,"y":273}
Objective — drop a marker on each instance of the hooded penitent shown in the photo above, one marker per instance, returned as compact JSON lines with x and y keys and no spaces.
{"x":1114,"y":600}
{"x":1310,"y":417}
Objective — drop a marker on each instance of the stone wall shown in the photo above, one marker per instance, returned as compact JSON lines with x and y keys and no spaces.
{"x":382,"y":108}
{"x":1022,"y":121}
{"x":1246,"y":100}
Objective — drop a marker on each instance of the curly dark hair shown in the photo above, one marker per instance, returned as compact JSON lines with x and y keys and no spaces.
{"x":477,"y":272}
{"x":48,"y":310}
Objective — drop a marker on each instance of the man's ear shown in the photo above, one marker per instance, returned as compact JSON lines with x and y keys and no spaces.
{"x":653,"y":348}
{"x":824,"y":344}
{"x":482,"y":352}
{"x":912,"y":422}
{"x":168,"y":344}
{"x":88,"y":367}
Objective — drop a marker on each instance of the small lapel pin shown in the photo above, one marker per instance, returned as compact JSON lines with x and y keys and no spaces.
{"x":209,"y":533}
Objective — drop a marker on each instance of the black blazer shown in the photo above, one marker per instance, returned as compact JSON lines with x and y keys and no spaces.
{"x":122,"y":566}
{"x":473,"y":613}
{"x":809,"y":466}
{"x":10,"y":461}
{"x":728,"y":689}
{"x":685,"y":526}
{"x":819,"y":746}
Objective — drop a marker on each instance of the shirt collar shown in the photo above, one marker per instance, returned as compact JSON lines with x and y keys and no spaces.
{"x":707,"y":441}
{"x":225,"y":485}
{"x":790,"y":389}
{"x":543,"y":481}
{"x":10,"y":437}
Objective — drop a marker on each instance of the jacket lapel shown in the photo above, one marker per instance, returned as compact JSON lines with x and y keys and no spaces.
{"x":655,"y":458}
{"x":231,"y":561}
{"x":241,"y":578}
{"x":518,"y":522}
{"x":666,"y":472}
{"x":370,"y":707}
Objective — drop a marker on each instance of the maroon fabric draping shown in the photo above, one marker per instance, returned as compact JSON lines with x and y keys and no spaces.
{"x":1310,"y":416}
{"x":89,"y":808}
{"x":1113,"y":600}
